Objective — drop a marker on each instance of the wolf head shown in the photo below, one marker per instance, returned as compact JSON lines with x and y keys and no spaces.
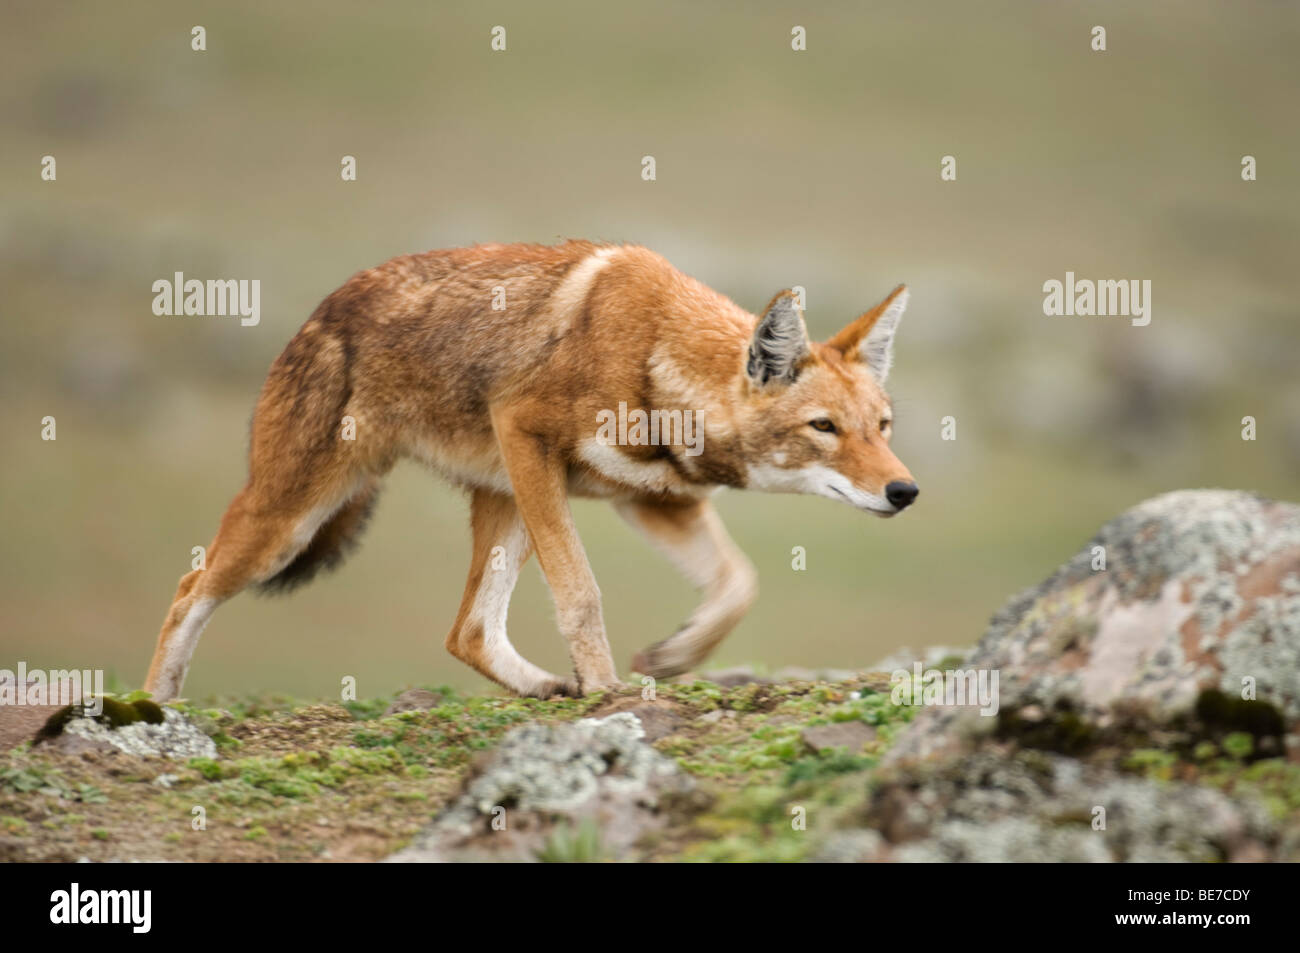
{"x":819,"y":417}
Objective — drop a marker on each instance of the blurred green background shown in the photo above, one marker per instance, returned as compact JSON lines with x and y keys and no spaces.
{"x":818,"y":168}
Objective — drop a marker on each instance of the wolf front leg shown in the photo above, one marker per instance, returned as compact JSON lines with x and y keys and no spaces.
{"x":693,"y":537}
{"x":539,"y":479}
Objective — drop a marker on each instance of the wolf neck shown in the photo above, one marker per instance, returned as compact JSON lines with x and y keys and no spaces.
{"x":691,"y":385}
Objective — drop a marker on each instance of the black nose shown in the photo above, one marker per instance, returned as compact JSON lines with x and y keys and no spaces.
{"x":901,"y":493}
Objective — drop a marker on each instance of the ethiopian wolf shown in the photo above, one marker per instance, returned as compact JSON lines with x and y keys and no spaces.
{"x":499,"y":366}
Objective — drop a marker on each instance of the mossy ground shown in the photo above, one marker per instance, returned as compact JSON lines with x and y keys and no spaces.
{"x":774,"y":797}
{"x":302,"y":781}
{"x":293,"y":781}
{"x":299,"y":781}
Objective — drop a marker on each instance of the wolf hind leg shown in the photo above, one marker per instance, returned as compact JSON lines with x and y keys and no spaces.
{"x":261,"y":535}
{"x":694,"y":539}
{"x":478,"y":637}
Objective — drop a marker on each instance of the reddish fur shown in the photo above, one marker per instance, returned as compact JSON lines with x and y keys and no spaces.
{"x":502,"y":402}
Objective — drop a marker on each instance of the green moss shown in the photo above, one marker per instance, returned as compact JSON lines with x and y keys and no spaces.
{"x":210,"y":769}
{"x":381,"y":761}
{"x":1152,"y":763}
{"x":114,"y":712}
{"x":450,"y":734}
{"x":53,"y":726}
{"x":1239,"y":744}
{"x":25,"y":779}
{"x":1275,"y":782}
{"x":817,"y":767}
{"x":758,"y":824}
{"x":367,"y":710}
{"x":702,"y":696}
{"x":149,"y":711}
{"x":409,"y":796}
{"x":744,"y":849}
{"x":118,"y":714}
{"x":746,"y":698}
{"x":296,"y":776}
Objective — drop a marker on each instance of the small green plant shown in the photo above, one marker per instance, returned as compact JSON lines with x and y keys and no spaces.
{"x":27,"y":780}
{"x":1239,"y":744}
{"x":1152,"y":763}
{"x":568,"y":845}
{"x":210,"y":769}
{"x":817,"y":767}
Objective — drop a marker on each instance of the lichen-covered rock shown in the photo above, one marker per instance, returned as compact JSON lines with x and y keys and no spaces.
{"x":595,"y":772}
{"x":1189,"y":599}
{"x":1035,"y":807}
{"x":176,"y":737}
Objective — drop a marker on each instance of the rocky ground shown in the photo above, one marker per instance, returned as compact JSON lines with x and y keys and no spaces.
{"x":1148,"y":708}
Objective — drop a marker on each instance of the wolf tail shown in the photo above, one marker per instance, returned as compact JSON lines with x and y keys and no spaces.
{"x":337,"y":537}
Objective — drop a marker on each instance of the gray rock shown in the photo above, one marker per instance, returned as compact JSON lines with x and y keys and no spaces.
{"x":1201,"y":590}
{"x":1038,"y":808}
{"x":176,"y":738}
{"x":544,"y":778}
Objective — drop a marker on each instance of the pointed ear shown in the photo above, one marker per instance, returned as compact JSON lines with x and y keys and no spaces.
{"x":780,"y":343}
{"x":870,"y":339}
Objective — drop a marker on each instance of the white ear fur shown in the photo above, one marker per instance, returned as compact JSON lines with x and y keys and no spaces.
{"x":877,"y":350}
{"x":780,"y":342}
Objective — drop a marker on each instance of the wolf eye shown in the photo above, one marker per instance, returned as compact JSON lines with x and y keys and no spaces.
{"x":823,"y":424}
